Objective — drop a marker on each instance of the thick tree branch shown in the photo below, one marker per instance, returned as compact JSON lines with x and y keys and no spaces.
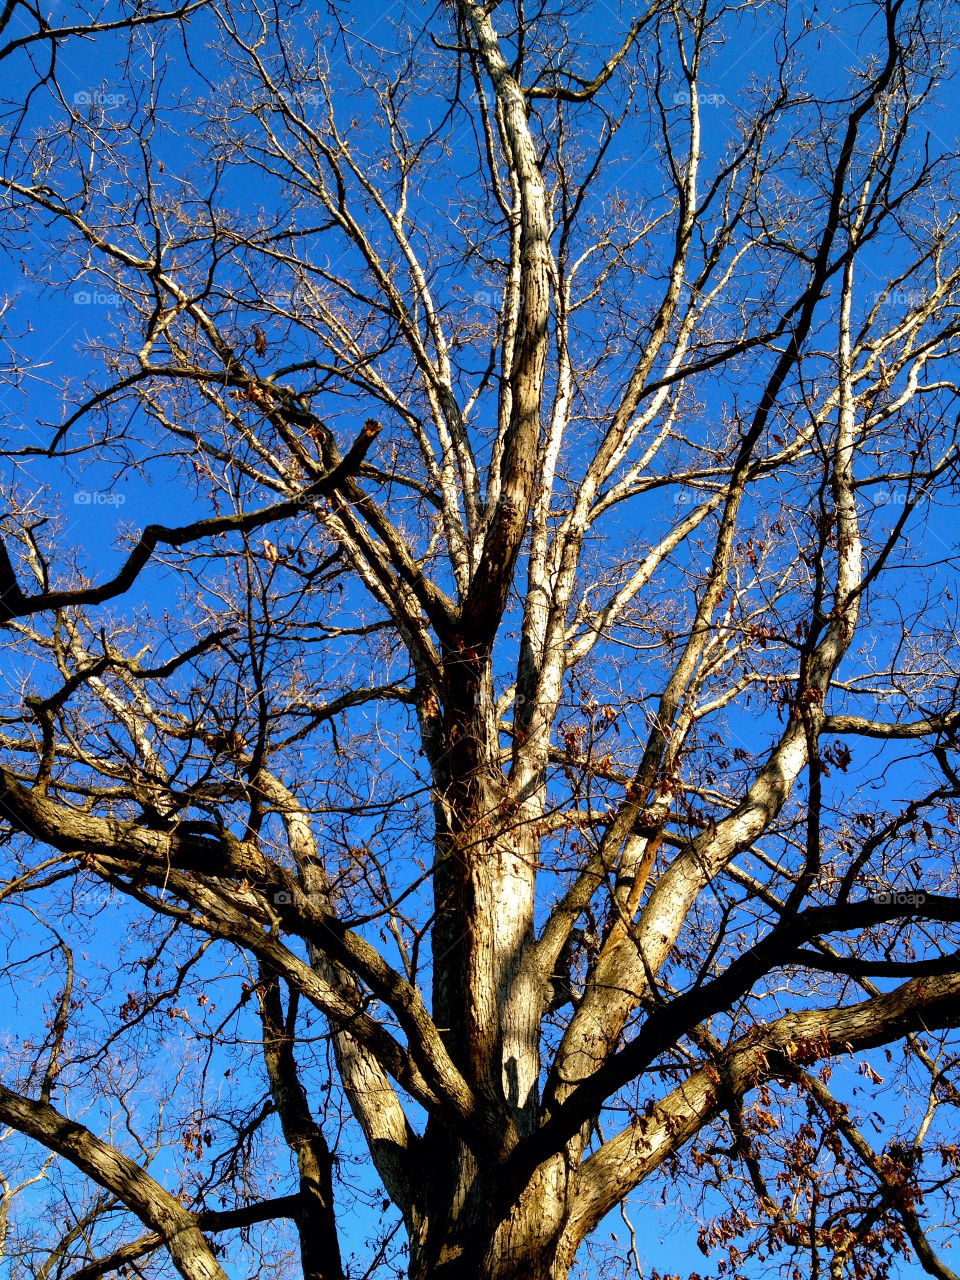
{"x":764,"y":1053}
{"x":111,"y":1169}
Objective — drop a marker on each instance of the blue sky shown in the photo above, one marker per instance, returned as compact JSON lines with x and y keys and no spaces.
{"x":62,"y":323}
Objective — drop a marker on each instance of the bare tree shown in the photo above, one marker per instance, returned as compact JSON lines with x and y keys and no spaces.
{"x":521,"y":769}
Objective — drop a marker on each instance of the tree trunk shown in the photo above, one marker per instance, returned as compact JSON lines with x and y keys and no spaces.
{"x":469,"y":1244}
{"x":488,"y":1012}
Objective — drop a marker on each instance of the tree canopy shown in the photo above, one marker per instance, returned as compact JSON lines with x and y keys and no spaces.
{"x":478,"y":735}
